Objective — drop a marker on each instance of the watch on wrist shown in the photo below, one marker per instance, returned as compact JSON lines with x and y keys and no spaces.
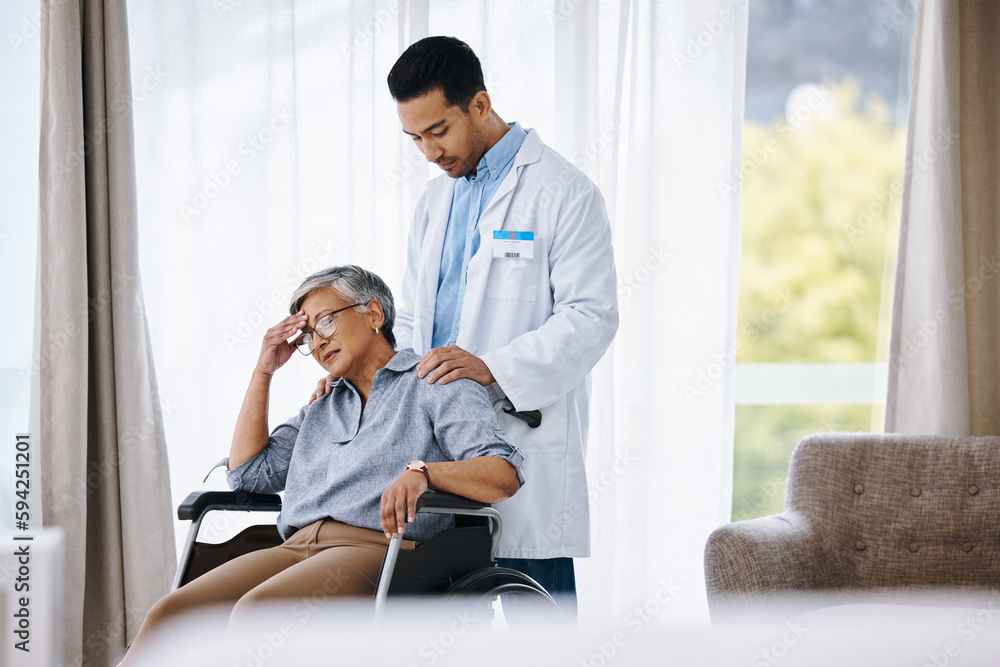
{"x":420,"y":466}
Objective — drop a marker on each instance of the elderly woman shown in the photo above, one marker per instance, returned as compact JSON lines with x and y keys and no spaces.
{"x":352,"y":463}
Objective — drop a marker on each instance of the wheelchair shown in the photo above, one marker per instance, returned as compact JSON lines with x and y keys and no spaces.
{"x":457,"y":565}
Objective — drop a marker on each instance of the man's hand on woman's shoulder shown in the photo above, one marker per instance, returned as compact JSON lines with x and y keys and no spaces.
{"x":444,"y":364}
{"x":323,"y":387}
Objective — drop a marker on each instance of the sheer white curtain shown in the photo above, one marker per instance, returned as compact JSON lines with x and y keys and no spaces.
{"x":268,"y":146}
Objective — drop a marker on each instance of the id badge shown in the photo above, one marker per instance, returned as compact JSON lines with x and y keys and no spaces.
{"x":513,"y":245}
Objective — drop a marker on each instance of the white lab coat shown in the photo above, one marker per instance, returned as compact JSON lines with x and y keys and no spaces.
{"x":539,"y":324}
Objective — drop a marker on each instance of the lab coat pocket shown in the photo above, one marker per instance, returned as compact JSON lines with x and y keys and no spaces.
{"x":550,"y":436}
{"x":513,"y":279}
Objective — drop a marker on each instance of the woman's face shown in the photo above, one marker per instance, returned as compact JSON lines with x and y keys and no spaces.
{"x":346,"y":352}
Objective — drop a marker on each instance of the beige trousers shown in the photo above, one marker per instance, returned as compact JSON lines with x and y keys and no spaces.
{"x":322,"y":560}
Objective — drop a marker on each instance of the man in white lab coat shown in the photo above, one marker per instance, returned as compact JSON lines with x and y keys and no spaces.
{"x":510,"y":281}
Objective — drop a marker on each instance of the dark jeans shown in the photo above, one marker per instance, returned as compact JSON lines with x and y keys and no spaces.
{"x":556,"y":575}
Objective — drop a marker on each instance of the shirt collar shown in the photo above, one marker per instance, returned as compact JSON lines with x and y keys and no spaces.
{"x":402,"y":361}
{"x":503,"y":151}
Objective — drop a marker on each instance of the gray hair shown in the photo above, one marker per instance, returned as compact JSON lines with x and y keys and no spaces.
{"x":354,"y":285}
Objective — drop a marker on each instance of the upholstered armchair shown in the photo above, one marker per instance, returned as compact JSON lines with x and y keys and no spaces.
{"x":868,"y":512}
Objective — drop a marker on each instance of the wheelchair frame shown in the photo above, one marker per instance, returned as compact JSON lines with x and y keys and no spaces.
{"x":483,"y":582}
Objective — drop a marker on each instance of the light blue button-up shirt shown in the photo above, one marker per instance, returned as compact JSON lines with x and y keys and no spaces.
{"x":461,"y":239}
{"x":335,"y":460}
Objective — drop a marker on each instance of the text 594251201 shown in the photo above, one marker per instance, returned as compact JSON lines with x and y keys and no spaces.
{"x":22,"y":481}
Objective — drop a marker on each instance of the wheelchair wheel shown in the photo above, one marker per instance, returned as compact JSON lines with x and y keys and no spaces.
{"x":483,"y":586}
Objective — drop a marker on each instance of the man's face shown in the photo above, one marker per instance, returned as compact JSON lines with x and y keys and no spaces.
{"x":451,"y":139}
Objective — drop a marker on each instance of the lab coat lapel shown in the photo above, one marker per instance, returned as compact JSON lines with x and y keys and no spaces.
{"x":439,"y":195}
{"x":492,"y":220}
{"x":529,"y":152}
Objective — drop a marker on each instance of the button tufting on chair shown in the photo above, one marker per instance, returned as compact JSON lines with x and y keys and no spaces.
{"x":914,"y":548}
{"x":859,"y":545}
{"x":967,"y":547}
{"x":973,"y":489}
{"x":859,"y":489}
{"x":914,"y":491}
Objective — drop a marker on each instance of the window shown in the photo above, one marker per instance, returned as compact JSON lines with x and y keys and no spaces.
{"x":823,"y":153}
{"x":19,"y":133}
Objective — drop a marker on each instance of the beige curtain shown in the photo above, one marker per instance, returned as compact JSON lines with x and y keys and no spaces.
{"x":104,"y":469}
{"x":944,"y":375}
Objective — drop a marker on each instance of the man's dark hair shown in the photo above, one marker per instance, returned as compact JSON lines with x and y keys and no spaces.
{"x":437,"y":62}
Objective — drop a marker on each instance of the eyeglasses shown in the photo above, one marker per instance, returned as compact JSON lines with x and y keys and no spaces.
{"x":325,"y":327}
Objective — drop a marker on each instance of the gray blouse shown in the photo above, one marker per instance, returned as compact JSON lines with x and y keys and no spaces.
{"x":333,"y":460}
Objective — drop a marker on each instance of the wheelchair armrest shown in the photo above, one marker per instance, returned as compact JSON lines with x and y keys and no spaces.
{"x":199,"y":502}
{"x":446,"y":501}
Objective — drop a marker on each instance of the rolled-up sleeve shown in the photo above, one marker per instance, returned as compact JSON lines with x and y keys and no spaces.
{"x":267,"y":471}
{"x":466,"y":427}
